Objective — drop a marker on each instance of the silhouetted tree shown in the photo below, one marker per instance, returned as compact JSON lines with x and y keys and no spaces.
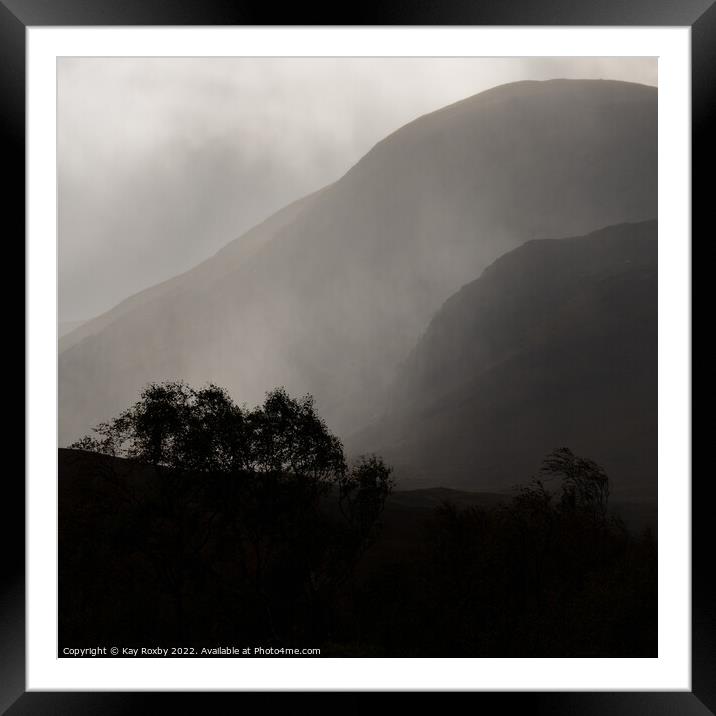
{"x":251,"y":478}
{"x":584,"y":484}
{"x":363,"y":491}
{"x":248,"y":525}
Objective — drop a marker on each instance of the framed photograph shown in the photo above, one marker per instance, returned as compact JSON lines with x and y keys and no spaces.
{"x":358,"y":355}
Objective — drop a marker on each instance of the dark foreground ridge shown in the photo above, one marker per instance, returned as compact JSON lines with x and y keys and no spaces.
{"x":155,"y":557}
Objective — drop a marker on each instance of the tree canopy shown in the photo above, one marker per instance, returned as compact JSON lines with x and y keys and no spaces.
{"x":203,"y":430}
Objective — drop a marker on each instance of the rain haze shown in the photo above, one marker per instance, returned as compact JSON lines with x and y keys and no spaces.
{"x":367,"y":344}
{"x":162,"y":162}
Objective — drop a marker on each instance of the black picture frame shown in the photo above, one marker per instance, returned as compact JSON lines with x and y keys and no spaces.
{"x":17,"y":15}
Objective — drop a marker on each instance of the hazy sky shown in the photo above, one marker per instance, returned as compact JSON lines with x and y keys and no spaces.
{"x":164,"y":161}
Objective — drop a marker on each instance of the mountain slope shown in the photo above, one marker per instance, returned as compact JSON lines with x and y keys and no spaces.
{"x":554,"y":345}
{"x":65,"y":327}
{"x":221,"y":264}
{"x":344,"y":287}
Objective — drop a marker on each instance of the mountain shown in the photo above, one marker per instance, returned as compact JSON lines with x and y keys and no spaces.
{"x":65,"y":327}
{"x":554,"y":345}
{"x":331,"y":294}
{"x":207,"y":272}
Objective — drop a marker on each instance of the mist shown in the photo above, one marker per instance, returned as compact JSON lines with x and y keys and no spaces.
{"x":332,"y":294}
{"x":369,"y":341}
{"x":162,"y":162}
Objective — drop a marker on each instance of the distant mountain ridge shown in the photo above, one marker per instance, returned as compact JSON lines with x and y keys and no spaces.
{"x":66,"y":327}
{"x":336,"y":290}
{"x":555,"y":344}
{"x":220,"y":264}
